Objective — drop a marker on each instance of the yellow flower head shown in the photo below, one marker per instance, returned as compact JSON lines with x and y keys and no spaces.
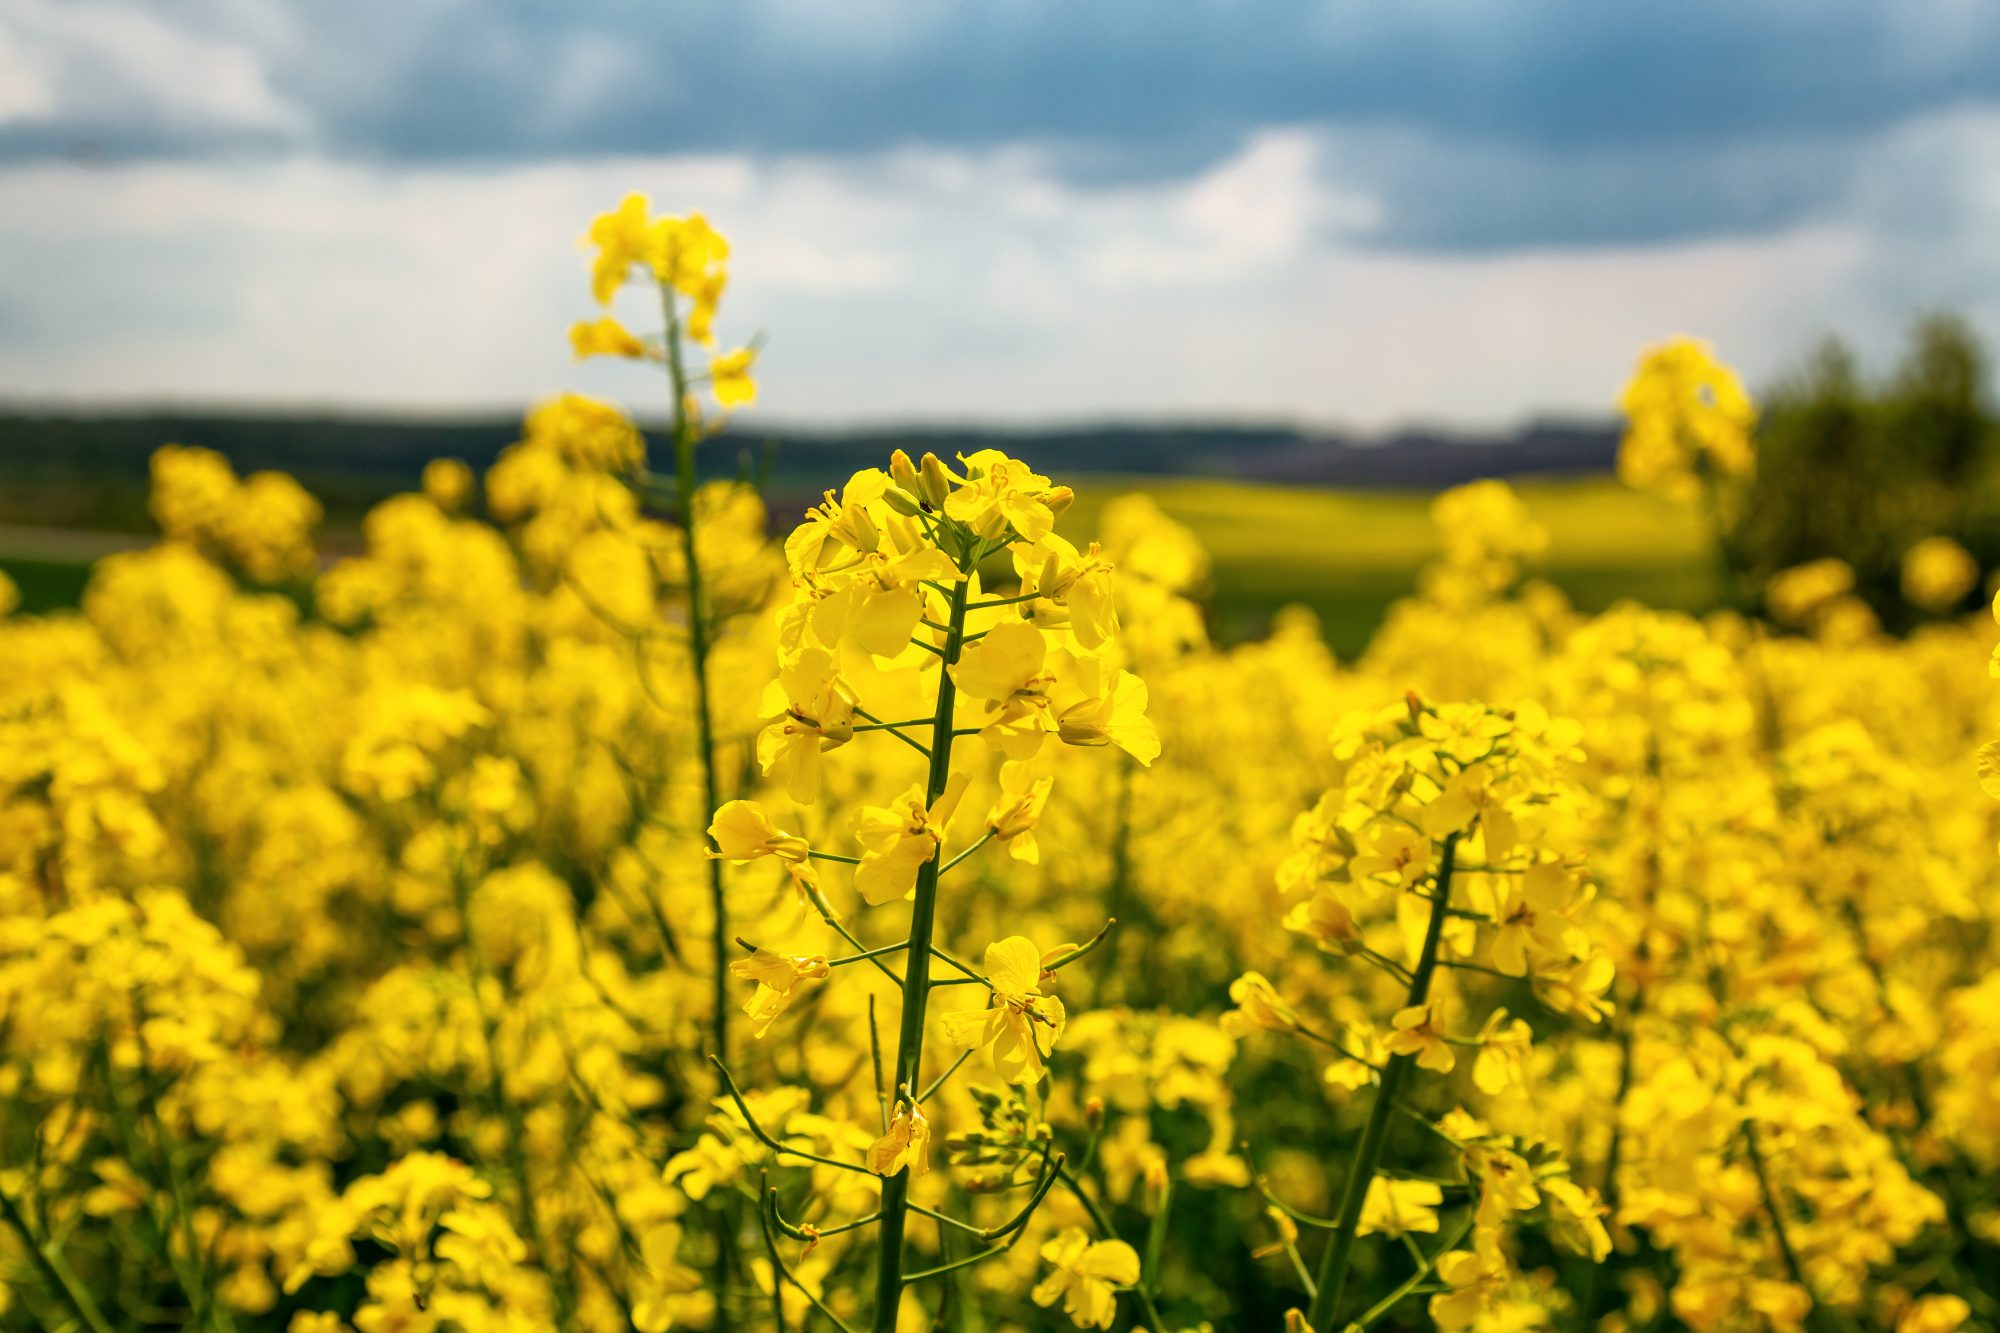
{"x":1416,"y":1033}
{"x":1100,"y":705}
{"x":743,"y":832}
{"x":815,"y":714}
{"x":777,"y":977}
{"x":1687,"y":417}
{"x":1399,"y":1207}
{"x":906,"y":1143}
{"x":1258,"y":1005}
{"x":1086,"y":1276}
{"x":729,"y":377}
{"x":1021,"y":1024}
{"x":999,"y":494}
{"x":1007,"y":669}
{"x":1938,"y":573}
{"x":622,"y":237}
{"x":1018,"y":808}
{"x":604,"y":336}
{"x":898,"y":840}
{"x":1074,"y":590}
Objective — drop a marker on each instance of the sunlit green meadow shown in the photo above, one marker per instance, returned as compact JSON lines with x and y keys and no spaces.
{"x":1348,"y":554}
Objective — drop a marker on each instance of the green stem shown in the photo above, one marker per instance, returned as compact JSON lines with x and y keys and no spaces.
{"x":940,"y":1080}
{"x":1586,"y":1297}
{"x":766,"y":1210}
{"x":1102,"y":1226}
{"x":1818,"y":1317}
{"x":205,"y":1309}
{"x":1118,"y":896}
{"x":510,"y":1114}
{"x":984,"y":838}
{"x":1098,"y":1221}
{"x":55,"y":1268}
{"x":1416,"y":1279}
{"x":1955,"y":1176}
{"x":1728,"y":578}
{"x":698,"y":646}
{"x":126,"y":1134}
{"x":1354,"y":1190}
{"x":763,"y":1135}
{"x":917,"y":977}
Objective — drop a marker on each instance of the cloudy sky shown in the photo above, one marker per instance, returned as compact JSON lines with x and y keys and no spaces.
{"x":1460,"y":211}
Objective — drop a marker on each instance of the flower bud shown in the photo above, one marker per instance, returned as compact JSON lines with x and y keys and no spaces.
{"x":933,"y":482}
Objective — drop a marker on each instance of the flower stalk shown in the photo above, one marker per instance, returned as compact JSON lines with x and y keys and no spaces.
{"x":699,"y":634}
{"x":889,"y":1279}
{"x":50,"y":1262}
{"x":1354,"y":1191}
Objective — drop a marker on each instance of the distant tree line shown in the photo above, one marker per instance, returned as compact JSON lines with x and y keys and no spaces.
{"x":1863,"y":468}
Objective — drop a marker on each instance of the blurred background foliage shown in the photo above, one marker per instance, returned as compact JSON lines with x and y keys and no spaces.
{"x":1863,"y":466}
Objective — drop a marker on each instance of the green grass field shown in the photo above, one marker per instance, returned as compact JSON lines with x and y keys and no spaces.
{"x":1348,"y":554}
{"x":50,"y":566}
{"x":1345,"y":554}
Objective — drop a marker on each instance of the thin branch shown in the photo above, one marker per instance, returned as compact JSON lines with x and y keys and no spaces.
{"x":939,"y":1081}
{"x":876,"y":963}
{"x":1419,"y":1117}
{"x":1386,"y":964}
{"x":49,"y":1259}
{"x":956,"y":1264}
{"x":1088,"y":946}
{"x":1479,"y":967}
{"x":1416,"y":1279}
{"x":836,"y":857}
{"x":875,"y":1053}
{"x":1310,"y":1035}
{"x":797,"y":1232}
{"x":984,"y":838}
{"x":764,"y":1138}
{"x":989,"y":603}
{"x":867,"y":956}
{"x":910,"y":741}
{"x":766,"y":1209}
{"x":1263,"y":1187}
{"x":1075,"y":1187}
{"x":945,"y":1218}
{"x":969,"y":972}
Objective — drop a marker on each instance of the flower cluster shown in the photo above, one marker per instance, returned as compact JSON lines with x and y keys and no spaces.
{"x":1690,"y":421}
{"x":367,"y":923}
{"x":1442,"y":852}
{"x":892,"y":637}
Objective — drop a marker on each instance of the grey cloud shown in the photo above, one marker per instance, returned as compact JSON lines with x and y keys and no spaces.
{"x":1480,"y":127}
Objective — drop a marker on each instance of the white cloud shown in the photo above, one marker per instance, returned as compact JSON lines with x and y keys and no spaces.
{"x":932,"y":284}
{"x":98,"y":65}
{"x":25,"y":94}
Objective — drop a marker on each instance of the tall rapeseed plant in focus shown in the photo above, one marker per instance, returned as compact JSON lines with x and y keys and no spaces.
{"x":889,"y":609}
{"x":686,"y":260}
